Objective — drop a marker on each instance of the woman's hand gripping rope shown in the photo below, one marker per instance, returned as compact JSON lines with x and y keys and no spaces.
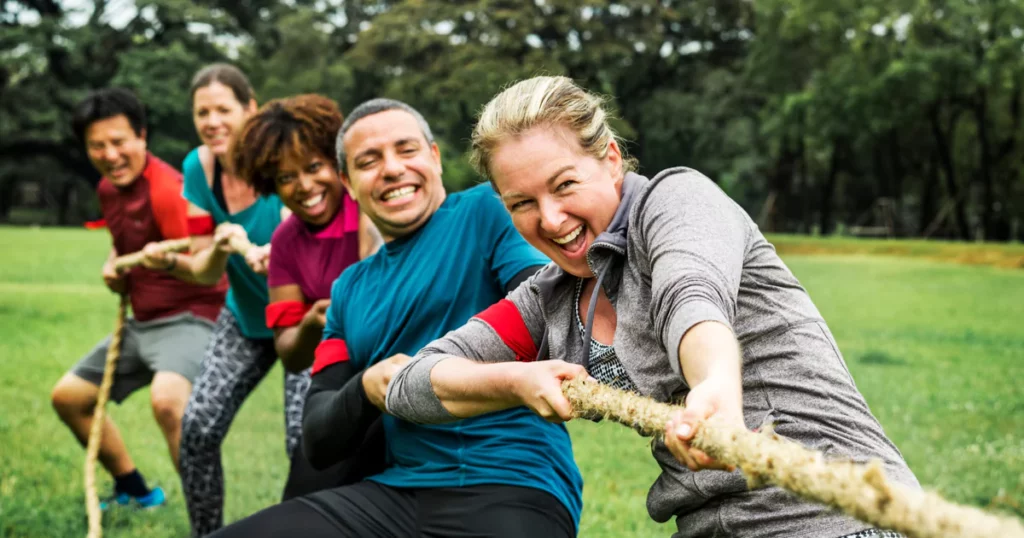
{"x":232,"y":239}
{"x":858,"y":489}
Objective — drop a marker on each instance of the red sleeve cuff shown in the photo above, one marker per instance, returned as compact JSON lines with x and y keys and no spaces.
{"x":330,"y":351}
{"x":285,"y":313}
{"x":201,"y":225}
{"x":505,"y":319}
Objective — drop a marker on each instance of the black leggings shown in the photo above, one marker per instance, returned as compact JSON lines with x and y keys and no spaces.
{"x":372,"y":510}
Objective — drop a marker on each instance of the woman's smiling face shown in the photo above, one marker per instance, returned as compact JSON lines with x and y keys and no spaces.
{"x":560,"y":197}
{"x":310,"y":187}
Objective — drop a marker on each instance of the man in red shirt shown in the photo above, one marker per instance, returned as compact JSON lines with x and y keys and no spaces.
{"x":164,"y":340}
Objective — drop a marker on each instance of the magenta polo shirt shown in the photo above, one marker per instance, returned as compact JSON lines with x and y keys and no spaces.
{"x":313,"y":258}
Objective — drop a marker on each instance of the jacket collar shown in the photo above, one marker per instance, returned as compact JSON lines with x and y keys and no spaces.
{"x":614,"y":237}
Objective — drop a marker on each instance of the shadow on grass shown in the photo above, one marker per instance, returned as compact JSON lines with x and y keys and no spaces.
{"x":879,"y":357}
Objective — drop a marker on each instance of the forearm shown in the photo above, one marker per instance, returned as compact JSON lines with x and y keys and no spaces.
{"x":709,"y":349}
{"x":204,"y":267}
{"x":296,"y":346}
{"x":468,"y":388}
{"x":335,"y":422}
{"x":444,"y":388}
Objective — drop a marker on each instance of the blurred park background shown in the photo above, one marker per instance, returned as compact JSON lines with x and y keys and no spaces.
{"x":892,"y":119}
{"x":862,"y":117}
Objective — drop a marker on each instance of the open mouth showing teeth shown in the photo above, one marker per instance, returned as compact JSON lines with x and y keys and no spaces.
{"x":310,"y":202}
{"x":566,"y":239}
{"x":398,"y":193}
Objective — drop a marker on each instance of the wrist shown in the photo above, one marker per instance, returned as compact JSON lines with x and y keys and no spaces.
{"x":510,"y":380}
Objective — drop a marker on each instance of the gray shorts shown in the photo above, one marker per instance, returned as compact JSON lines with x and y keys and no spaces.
{"x":172,"y":344}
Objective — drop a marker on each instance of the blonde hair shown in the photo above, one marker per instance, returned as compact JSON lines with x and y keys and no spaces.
{"x":547,"y":101}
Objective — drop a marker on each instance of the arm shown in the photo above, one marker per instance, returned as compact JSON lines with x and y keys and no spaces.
{"x":208,"y":261}
{"x":336,"y":416}
{"x":209,"y":254}
{"x":694,"y":238}
{"x":486,"y":365}
{"x":710,"y":359}
{"x":296,"y":344}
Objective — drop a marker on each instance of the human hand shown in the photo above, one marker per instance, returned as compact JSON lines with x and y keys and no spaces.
{"x":258,"y":259}
{"x":377,"y":377}
{"x":224,"y":233}
{"x":718,"y":398}
{"x":114,"y":280}
{"x":538,"y":385}
{"x":156,"y":259}
{"x":316,"y":316}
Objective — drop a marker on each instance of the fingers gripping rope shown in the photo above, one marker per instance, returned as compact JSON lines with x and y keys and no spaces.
{"x":240,"y":245}
{"x":128,"y":261}
{"x":861,"y":490}
{"x":92,"y":501}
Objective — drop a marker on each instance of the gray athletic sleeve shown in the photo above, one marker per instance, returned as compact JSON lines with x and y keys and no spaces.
{"x":410,"y":394}
{"x":695,"y":239}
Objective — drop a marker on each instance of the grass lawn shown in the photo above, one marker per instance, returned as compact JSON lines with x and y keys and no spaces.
{"x":936,"y":348}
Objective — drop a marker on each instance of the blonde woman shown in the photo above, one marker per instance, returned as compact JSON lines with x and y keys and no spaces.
{"x":654,"y":285}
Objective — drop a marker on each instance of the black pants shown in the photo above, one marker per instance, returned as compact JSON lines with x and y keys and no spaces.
{"x":372,"y":510}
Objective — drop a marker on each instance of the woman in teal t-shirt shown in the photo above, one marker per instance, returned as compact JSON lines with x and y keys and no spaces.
{"x":241,"y":350}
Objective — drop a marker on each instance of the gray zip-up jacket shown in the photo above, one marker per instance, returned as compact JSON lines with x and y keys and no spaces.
{"x":679,"y":252}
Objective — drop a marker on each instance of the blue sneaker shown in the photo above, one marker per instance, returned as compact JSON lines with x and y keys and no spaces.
{"x":153,"y":499}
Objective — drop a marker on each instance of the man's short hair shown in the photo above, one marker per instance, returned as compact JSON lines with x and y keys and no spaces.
{"x":107,"y":103}
{"x":369,"y":108}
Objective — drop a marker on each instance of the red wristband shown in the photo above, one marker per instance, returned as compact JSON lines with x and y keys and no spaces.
{"x":330,"y":351}
{"x":201,"y":225}
{"x":285,"y":313}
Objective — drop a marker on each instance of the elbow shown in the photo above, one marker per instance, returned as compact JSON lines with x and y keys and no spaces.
{"x":291,"y":364}
{"x":293,"y":357}
{"x":205,"y":278}
{"x":294,"y":366}
{"x":417,"y":403}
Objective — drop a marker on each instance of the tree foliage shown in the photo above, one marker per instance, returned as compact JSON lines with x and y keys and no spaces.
{"x":898,"y":116}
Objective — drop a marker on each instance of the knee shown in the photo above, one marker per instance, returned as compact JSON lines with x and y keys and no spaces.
{"x":168,"y":410}
{"x":69,"y":397}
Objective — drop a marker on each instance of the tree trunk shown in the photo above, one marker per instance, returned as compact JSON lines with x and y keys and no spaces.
{"x":929,"y":179}
{"x":780,"y":182}
{"x":948,"y":167}
{"x":829,"y":189}
{"x":898,"y":171}
{"x":985,"y":158}
{"x":8,"y":186}
{"x":64,"y":202}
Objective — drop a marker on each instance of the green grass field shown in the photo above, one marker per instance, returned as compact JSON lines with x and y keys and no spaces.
{"x":937,"y":349}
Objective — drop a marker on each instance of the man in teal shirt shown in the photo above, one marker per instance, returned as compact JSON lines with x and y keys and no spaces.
{"x":445,"y":259}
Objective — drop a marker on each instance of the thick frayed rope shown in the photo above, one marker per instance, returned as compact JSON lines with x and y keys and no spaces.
{"x":128,"y":261}
{"x":92,"y":500}
{"x":860,"y":489}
